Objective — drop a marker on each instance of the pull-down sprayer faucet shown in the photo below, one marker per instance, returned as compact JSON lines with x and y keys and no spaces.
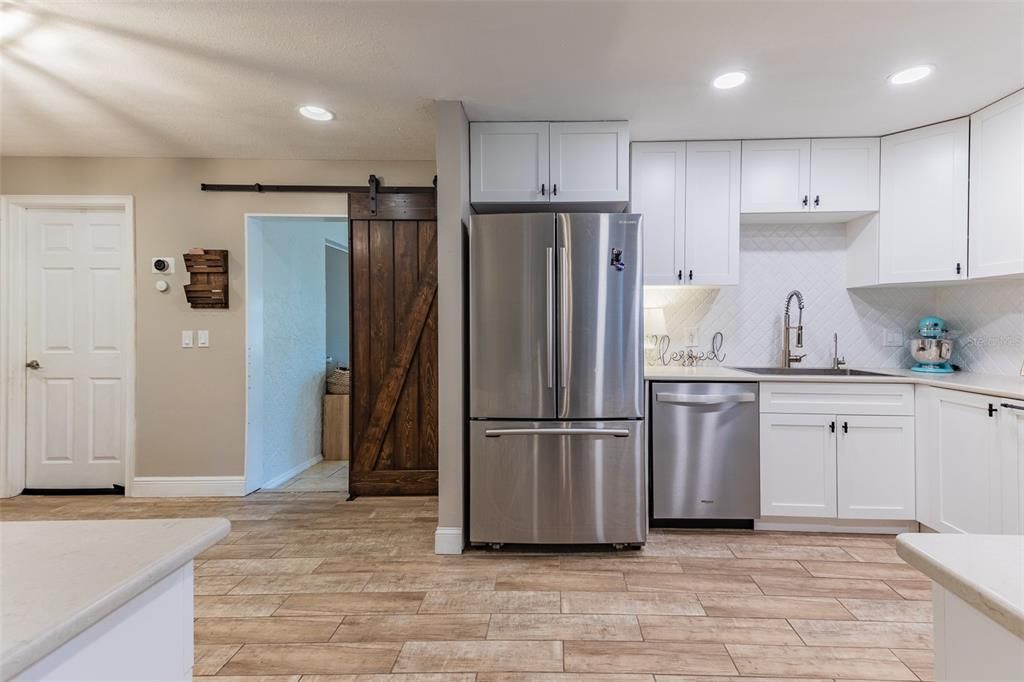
{"x":787,"y":357}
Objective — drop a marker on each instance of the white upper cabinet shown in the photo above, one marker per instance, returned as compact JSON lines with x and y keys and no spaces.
{"x":589,"y":161}
{"x":689,"y":196}
{"x":712,"y":244}
{"x":524,"y":163}
{"x":659,"y":194}
{"x":875,"y":467}
{"x":844,"y":174}
{"x":776,"y":176}
{"x":923,"y":204}
{"x":509,"y":162}
{"x":997,"y":189}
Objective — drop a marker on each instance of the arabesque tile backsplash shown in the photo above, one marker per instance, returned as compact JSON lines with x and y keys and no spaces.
{"x":775,"y":259}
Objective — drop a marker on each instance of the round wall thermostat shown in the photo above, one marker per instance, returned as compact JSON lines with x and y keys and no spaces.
{"x":162,"y":285}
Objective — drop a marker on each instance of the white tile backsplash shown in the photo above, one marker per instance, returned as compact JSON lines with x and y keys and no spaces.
{"x":812,"y":258}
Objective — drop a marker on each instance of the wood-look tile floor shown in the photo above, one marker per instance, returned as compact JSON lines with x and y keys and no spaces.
{"x":327,"y":476}
{"x":310,"y":587}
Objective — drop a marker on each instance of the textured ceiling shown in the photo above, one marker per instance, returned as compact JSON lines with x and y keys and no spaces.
{"x":222,"y":79}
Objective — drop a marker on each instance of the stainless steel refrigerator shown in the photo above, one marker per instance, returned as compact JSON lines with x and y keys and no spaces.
{"x":556,"y":379}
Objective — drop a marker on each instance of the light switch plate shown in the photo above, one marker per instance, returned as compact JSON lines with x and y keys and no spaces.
{"x":892,"y":338}
{"x":204,"y":338}
{"x":186,"y":338}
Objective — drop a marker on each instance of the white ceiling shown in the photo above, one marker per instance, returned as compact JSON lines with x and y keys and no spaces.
{"x":222,"y":79}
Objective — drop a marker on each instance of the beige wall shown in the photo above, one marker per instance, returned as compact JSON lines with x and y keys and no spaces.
{"x":453,"y":211}
{"x":190,"y":405}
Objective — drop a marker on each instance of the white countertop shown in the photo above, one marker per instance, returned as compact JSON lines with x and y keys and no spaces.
{"x":61,"y":577}
{"x":986,"y":571}
{"x":1011,"y":387}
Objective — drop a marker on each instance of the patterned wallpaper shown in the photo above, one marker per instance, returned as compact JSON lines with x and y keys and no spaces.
{"x":812,"y":258}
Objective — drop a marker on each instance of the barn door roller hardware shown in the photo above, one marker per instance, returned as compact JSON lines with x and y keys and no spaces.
{"x":373,"y":187}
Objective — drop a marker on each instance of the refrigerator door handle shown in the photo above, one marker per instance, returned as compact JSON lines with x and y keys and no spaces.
{"x":550,"y":296}
{"x":564,"y":314}
{"x":557,"y":431}
{"x":708,"y":399}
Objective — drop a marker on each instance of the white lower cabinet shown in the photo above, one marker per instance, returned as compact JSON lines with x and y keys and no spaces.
{"x":798,"y":465}
{"x":969,"y":454}
{"x":875,"y":467}
{"x":816,"y":463}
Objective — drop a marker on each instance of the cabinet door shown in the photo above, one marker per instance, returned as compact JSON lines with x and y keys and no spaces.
{"x":923,"y":204}
{"x":798,"y":465}
{"x":844,"y":174}
{"x":589,"y":161}
{"x":997,"y":189}
{"x":875,"y":467}
{"x":1011,"y":469}
{"x":958,"y":476}
{"x":712,"y":213}
{"x":509,"y":162}
{"x":776,"y":176}
{"x":658,"y":193}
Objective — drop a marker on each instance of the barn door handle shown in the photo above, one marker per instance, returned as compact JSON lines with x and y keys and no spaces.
{"x":33,"y":364}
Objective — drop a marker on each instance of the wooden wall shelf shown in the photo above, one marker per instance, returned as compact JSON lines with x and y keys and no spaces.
{"x":208,"y":272}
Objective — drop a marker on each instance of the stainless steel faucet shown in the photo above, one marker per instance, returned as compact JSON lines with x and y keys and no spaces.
{"x":789,"y":358}
{"x":837,"y":361}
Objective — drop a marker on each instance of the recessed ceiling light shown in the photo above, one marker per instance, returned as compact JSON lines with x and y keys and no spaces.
{"x":316,"y":113}
{"x":914,"y":73}
{"x":730,"y":80}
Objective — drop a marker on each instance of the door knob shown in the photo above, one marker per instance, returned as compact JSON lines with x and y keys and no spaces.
{"x":33,"y":364}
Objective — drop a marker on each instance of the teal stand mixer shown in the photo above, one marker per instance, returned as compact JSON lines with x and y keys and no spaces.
{"x":933,"y":348}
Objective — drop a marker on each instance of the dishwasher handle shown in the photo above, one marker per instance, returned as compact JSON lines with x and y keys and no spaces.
{"x":705,"y":399}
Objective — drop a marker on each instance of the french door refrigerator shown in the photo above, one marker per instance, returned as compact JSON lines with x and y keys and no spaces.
{"x":556,"y":379}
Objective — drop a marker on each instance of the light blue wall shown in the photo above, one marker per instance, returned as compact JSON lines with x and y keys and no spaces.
{"x":294,"y":336}
{"x":337,"y":306}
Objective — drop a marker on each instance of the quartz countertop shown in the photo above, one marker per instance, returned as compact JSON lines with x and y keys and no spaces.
{"x":61,"y":577}
{"x":986,"y":571}
{"x":1011,"y":387}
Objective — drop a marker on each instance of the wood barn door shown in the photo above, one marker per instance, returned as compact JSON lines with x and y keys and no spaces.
{"x":394,"y":344}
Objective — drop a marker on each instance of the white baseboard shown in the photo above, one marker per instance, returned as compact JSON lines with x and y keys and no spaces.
{"x":812,"y":525}
{"x":292,"y":473}
{"x":448,"y":540}
{"x":188,"y":486}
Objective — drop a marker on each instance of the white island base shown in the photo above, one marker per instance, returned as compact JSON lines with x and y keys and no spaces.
{"x":978,"y":598}
{"x":100,"y":600}
{"x":149,"y":638}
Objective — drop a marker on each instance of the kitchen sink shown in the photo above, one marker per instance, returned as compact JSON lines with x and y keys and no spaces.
{"x":811,"y":371}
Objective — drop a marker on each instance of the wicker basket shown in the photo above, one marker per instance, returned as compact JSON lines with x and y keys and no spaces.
{"x":339,"y":382}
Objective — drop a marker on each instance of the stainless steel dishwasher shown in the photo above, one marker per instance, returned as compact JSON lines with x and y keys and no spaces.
{"x":705,"y":459}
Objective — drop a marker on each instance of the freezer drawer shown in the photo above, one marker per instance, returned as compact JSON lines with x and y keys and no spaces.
{"x":557,"y":482}
{"x":704,"y":451}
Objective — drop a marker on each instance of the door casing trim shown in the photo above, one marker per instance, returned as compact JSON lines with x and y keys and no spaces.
{"x":13,"y":316}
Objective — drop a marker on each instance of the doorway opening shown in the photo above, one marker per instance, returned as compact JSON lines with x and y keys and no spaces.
{"x":297,"y":332}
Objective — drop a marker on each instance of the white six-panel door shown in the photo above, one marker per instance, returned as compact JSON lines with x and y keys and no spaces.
{"x":79,"y":293}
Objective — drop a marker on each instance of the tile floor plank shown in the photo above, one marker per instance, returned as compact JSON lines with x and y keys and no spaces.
{"x":303,"y":659}
{"x":484,"y":656}
{"x":514,"y":626}
{"x":560,"y":581}
{"x":864,"y":634}
{"x":691,"y":582}
{"x":237,"y":606}
{"x":888,"y":610}
{"x":391,"y":628}
{"x":718,"y":630}
{"x":648,"y":657}
{"x":773,"y":607}
{"x":491,"y":602}
{"x":780,"y":585}
{"x":350,"y":603}
{"x":264,"y":630}
{"x":834,"y":662}
{"x":632,"y":603}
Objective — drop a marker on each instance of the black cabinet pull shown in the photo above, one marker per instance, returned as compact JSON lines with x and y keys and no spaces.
{"x":992,"y":410}
{"x":543,"y":190}
{"x":1011,"y":407}
{"x":832,"y":427}
{"x":805,"y":200}
{"x":680,"y":275}
{"x":846,"y":427}
{"x":817,"y":200}
{"x":691,"y":275}
{"x":958,"y":268}
{"x":554,"y":190}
